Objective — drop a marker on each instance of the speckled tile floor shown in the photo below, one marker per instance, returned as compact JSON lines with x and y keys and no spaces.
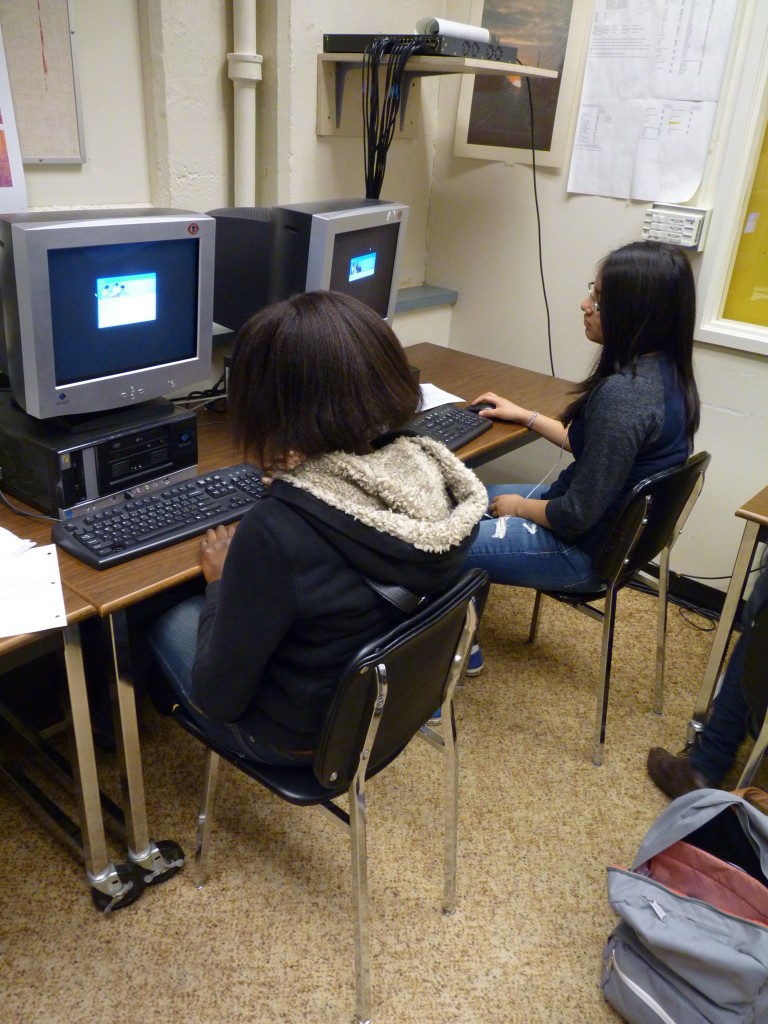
{"x":269,"y":938}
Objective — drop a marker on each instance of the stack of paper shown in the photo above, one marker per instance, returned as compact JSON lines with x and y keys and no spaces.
{"x":31,"y":598}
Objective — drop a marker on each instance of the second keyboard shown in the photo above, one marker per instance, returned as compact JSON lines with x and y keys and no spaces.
{"x":453,"y":426}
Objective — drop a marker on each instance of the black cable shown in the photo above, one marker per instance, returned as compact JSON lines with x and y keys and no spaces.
{"x":380,"y":114}
{"x":538,"y":229}
{"x":680,"y":602}
{"x":23,"y":512}
{"x":207,"y":395}
{"x":688,"y":576}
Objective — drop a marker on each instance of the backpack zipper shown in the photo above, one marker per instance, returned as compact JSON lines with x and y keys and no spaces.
{"x":641,"y":994}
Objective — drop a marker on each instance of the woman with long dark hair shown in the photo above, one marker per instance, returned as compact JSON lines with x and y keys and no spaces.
{"x":634,"y":415}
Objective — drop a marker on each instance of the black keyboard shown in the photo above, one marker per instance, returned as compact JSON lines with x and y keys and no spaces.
{"x":140,"y":525}
{"x":453,"y":426}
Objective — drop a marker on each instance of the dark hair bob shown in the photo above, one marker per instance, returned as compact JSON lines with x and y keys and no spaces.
{"x":317,"y":373}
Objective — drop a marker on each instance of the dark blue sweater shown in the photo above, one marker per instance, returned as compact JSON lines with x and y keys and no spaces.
{"x":631,"y":426}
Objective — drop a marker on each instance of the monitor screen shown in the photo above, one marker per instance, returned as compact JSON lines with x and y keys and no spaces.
{"x":116,"y":308}
{"x":103,"y":310}
{"x":363,"y":265}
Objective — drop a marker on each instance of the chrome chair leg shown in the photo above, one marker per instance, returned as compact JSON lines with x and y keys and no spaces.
{"x":205,"y":817}
{"x":357,"y":835}
{"x":450,"y":751}
{"x":606,"y":653}
{"x":534,"y":629}
{"x":661,"y":631}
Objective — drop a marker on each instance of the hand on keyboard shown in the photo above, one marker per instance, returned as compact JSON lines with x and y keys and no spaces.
{"x":214,"y":548}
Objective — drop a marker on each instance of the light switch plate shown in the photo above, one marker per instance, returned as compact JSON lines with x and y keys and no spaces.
{"x":685,"y":226}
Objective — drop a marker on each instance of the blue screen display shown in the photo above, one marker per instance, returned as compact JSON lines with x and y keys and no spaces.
{"x":117,"y":308}
{"x":362,"y":266}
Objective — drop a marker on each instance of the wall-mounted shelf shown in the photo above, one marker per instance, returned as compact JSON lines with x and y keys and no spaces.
{"x":334,"y":68}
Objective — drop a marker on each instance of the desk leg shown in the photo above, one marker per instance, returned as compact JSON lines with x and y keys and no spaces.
{"x":112,"y":886}
{"x":724,"y":628}
{"x":156,"y":861}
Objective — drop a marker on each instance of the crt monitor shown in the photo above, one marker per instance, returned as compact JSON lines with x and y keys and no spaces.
{"x":103,"y":310}
{"x":266,"y":254}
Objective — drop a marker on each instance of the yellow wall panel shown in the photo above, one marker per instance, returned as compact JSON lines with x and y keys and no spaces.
{"x":747,"y":299}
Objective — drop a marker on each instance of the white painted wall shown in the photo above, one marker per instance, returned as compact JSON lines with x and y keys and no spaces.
{"x":156,"y":110}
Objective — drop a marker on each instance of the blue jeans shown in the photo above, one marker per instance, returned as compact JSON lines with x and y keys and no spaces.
{"x":519,"y":553}
{"x":719,"y":741}
{"x":173,"y":639}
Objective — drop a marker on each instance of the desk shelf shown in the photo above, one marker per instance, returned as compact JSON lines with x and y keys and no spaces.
{"x":333,"y":69}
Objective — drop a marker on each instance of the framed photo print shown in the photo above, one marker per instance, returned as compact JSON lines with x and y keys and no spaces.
{"x":494,"y":118}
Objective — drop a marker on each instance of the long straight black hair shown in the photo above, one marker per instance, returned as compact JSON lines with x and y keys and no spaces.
{"x":647,"y":304}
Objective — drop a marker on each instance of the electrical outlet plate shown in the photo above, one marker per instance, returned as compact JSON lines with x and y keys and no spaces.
{"x":685,"y":226}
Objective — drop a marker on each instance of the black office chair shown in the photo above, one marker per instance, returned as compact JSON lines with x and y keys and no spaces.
{"x":754,"y":683}
{"x":388,"y":691}
{"x":647,"y":526}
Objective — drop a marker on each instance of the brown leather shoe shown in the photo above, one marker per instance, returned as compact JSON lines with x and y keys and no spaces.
{"x":674,"y":775}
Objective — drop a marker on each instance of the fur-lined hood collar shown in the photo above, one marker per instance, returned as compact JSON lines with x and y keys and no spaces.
{"x":413,"y":490}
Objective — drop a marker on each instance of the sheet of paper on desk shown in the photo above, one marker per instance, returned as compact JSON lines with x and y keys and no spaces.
{"x":10,"y":544}
{"x":432,"y":396}
{"x":30,"y":592}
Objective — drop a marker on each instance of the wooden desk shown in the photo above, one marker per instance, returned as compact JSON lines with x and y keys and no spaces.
{"x":755,"y":512}
{"x":111,"y":884}
{"x":117,"y":588}
{"x":112,"y":591}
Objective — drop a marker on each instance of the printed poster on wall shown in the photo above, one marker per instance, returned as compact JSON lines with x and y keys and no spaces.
{"x":13,"y":190}
{"x":651,"y":88}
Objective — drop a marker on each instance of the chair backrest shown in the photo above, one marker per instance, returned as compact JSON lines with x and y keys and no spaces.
{"x":754,"y":678}
{"x":417,"y":657}
{"x":648,"y":519}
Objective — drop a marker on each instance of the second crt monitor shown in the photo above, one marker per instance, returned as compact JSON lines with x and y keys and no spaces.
{"x":348,"y":245}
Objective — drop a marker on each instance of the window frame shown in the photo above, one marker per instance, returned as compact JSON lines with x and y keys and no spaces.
{"x":742,"y":125}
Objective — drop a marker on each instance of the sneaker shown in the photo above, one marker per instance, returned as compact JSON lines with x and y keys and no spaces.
{"x":474,"y":662}
{"x":433,"y":721}
{"x":673,"y":774}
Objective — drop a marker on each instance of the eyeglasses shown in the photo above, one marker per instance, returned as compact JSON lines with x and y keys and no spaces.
{"x":593,"y":296}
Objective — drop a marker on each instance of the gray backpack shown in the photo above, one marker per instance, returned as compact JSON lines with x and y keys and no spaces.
{"x":692,"y":944}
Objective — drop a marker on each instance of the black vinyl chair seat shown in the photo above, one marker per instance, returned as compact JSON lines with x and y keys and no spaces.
{"x":297,"y":785}
{"x":384,"y":697}
{"x":646,"y":527}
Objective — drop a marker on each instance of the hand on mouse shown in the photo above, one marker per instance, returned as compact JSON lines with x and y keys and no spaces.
{"x":501,"y":409}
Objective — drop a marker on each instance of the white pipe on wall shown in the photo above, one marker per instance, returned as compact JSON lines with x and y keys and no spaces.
{"x":244,"y":71}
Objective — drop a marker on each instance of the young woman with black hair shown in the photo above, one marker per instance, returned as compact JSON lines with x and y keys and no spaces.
{"x":256,"y":656}
{"x":634,"y":415}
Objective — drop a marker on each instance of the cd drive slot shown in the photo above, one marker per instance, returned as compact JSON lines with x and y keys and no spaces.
{"x":128,"y":460}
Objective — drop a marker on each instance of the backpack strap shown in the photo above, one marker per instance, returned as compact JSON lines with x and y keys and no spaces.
{"x":398,"y":596}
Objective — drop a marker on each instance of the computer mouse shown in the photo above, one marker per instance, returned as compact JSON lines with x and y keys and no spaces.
{"x":479,"y":406}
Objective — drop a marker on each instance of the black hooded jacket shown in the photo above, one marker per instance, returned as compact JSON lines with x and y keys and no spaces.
{"x":293,"y":605}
